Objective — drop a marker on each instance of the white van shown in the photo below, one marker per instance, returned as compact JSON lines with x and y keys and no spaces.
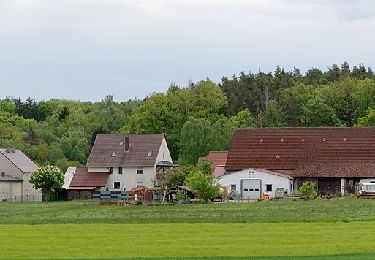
{"x":365,"y":189}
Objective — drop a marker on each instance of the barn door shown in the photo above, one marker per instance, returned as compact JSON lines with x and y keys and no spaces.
{"x":251,"y":189}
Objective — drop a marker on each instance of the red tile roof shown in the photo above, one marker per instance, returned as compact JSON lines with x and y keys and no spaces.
{"x":304,"y":148}
{"x":217,"y":158}
{"x":339,"y":170}
{"x":109,"y":150}
{"x":83,"y":178}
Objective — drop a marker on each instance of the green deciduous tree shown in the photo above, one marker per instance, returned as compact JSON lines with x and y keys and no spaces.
{"x":195,"y":136}
{"x":243,"y":119}
{"x":204,"y":185}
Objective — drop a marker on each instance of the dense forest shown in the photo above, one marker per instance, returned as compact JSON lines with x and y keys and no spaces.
{"x":196,"y":118}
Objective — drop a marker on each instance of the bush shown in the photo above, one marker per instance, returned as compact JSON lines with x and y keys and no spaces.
{"x":308,"y":190}
{"x":205,"y":186}
{"x":180,"y":195}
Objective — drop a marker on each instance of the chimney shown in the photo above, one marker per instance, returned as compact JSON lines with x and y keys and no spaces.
{"x":127,"y":144}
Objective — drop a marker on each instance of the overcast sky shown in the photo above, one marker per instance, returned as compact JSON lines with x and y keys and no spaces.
{"x":86,"y":49}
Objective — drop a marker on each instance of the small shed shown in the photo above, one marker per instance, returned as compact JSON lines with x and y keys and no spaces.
{"x":252,"y":183}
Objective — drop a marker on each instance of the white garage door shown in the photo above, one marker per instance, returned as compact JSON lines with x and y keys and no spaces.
{"x":251,"y":189}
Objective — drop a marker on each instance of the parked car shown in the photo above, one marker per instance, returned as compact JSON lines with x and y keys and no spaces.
{"x":366,"y":189}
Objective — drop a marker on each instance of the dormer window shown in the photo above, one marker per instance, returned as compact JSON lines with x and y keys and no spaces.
{"x":149,"y":154}
{"x":113,"y":154}
{"x":2,"y":174}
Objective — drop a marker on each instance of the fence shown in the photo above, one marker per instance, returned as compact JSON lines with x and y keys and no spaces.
{"x":22,"y":198}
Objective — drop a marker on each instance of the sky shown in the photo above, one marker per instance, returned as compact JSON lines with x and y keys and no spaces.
{"x":87,"y":49}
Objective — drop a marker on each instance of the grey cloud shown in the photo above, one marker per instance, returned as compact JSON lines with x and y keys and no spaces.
{"x":84,"y":49}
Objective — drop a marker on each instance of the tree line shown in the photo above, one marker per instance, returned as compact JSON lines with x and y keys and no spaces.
{"x":195,"y":119}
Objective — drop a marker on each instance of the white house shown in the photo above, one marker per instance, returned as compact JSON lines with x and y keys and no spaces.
{"x":123,"y":162}
{"x":15,"y":171}
{"x":252,"y":183}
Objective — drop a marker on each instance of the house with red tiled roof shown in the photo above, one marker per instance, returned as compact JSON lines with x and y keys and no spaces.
{"x":334,"y":158}
{"x":121,"y":163}
{"x":15,"y":171}
{"x":218,"y":160}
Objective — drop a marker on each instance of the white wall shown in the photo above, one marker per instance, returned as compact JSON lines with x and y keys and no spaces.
{"x":97,"y":169}
{"x":267,"y":178}
{"x":129,"y":178}
{"x":29,"y":193}
{"x":164,"y":154}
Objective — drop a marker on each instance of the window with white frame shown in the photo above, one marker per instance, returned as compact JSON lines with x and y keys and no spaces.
{"x":139,"y":170}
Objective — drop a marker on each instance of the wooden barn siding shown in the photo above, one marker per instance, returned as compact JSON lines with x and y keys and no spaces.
{"x":330,"y":186}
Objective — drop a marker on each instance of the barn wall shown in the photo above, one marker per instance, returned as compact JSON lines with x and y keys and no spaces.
{"x":10,"y":190}
{"x":29,"y":193}
{"x":330,"y":186}
{"x":267,"y":178}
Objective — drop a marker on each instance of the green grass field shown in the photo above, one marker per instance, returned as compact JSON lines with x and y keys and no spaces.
{"x":285,"y":229}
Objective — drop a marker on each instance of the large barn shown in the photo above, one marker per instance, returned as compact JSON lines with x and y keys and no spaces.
{"x":334,"y":158}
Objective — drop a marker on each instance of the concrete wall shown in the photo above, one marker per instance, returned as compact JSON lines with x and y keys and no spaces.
{"x":266,"y":178}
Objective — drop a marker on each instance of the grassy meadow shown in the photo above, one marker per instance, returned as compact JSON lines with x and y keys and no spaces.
{"x":284,"y":229}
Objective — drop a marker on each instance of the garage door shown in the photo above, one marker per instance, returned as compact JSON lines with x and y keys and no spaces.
{"x":4,"y":190}
{"x":251,"y":189}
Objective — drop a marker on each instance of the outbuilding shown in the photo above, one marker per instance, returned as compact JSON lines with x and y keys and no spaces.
{"x":253,"y":183}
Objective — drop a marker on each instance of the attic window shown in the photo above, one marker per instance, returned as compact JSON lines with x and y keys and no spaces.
{"x":113,"y":154}
{"x":149,"y":154}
